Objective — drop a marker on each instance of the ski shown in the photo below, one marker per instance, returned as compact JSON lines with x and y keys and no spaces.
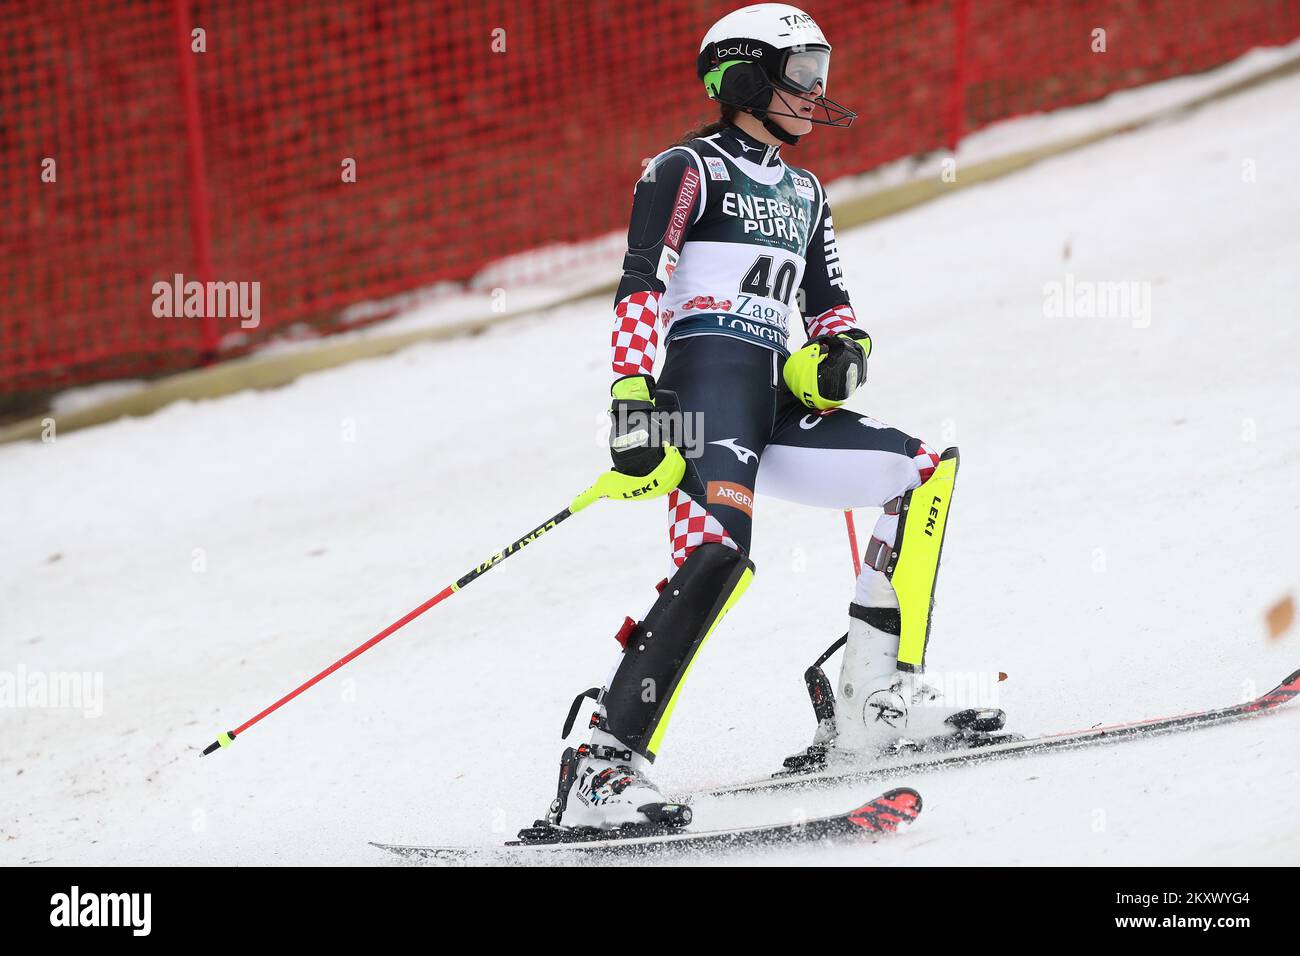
{"x":924,"y":762}
{"x":886,"y":814}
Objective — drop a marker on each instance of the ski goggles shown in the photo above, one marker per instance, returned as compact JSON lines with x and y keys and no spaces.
{"x":803,"y":69}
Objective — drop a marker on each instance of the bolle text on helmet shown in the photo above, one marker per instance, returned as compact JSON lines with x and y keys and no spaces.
{"x":738,"y":50}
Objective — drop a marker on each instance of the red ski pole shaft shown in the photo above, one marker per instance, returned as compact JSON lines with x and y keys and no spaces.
{"x":227,"y":738}
{"x":853,"y":541}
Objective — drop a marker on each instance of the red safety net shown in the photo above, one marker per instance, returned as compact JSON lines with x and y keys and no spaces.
{"x":133,"y":149}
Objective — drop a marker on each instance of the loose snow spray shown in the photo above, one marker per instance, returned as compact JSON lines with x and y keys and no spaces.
{"x":611,"y":484}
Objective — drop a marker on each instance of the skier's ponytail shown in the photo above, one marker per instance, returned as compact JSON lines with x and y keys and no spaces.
{"x":708,"y":129}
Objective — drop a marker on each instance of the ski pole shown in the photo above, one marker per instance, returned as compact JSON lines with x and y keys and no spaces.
{"x":225,"y":740}
{"x":853,"y":541}
{"x":611,"y":484}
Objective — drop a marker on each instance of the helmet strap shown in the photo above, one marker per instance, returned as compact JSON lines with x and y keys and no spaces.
{"x":769,"y":124}
{"x":775,"y":130}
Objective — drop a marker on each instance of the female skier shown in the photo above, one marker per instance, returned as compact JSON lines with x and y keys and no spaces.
{"x":725,"y":238}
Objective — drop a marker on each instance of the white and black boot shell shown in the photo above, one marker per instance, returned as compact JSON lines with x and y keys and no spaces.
{"x":607,"y":789}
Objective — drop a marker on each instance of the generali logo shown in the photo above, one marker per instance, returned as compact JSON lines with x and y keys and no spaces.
{"x":732,"y":495}
{"x":686,"y":193}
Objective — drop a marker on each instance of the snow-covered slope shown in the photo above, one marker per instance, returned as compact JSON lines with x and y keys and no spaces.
{"x":1127,"y":508}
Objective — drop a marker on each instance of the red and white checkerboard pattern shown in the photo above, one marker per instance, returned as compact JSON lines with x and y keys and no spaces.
{"x":926,"y":461}
{"x":690,"y":526}
{"x":636,"y":338}
{"x":833,"y":321}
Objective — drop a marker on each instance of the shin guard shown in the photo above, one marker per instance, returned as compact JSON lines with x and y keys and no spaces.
{"x":913,"y":563}
{"x":660,"y":649}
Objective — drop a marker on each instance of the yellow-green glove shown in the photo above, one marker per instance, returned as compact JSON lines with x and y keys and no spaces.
{"x":826,"y":371}
{"x":645,"y":465}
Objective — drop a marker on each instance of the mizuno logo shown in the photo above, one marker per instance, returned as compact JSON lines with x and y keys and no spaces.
{"x":742,"y":453}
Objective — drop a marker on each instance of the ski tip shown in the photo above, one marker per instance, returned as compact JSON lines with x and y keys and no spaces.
{"x":1286,"y":691}
{"x":889,"y":812}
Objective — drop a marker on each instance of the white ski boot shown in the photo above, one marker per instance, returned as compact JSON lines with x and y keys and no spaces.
{"x":603,"y":786}
{"x":879,"y":709}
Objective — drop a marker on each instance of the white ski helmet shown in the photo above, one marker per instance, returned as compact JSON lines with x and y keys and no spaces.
{"x":753,"y":52}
